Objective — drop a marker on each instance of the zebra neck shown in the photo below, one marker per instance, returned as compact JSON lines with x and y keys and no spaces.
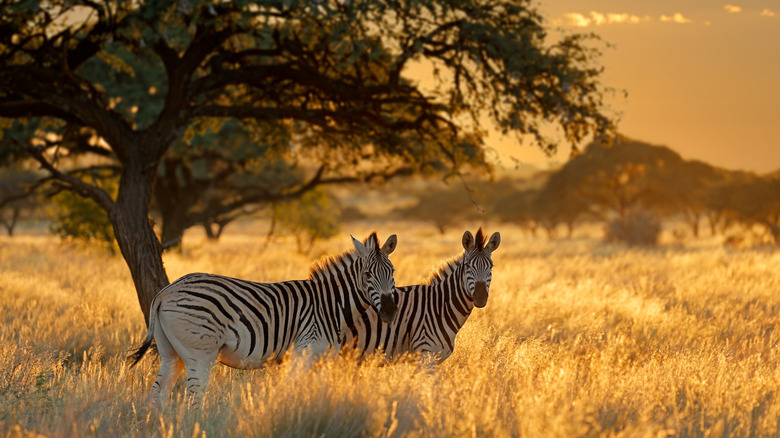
{"x":340,"y":297}
{"x":456,"y":297}
{"x":336,"y":286}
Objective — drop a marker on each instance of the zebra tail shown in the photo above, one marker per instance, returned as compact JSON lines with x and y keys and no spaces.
{"x":139,"y":353}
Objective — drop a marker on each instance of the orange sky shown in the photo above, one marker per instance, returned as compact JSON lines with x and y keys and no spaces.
{"x":702,"y":77}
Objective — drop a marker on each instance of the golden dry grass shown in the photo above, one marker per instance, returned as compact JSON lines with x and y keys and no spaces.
{"x":578,"y":339}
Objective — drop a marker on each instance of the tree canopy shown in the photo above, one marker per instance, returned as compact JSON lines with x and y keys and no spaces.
{"x":95,"y":87}
{"x":613,"y":178}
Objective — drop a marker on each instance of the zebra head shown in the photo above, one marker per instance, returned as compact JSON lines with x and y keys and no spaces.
{"x":376,"y":281}
{"x":478,"y":265}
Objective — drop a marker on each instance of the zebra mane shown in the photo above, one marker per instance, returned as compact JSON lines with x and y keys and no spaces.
{"x":326,"y":264}
{"x":444,"y":270}
{"x":479,"y":240}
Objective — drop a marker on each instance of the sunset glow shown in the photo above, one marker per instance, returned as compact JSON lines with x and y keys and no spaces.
{"x":700,"y":77}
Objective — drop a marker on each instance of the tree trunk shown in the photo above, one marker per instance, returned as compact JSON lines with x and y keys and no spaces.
{"x":774,"y":230}
{"x":173,"y":227}
{"x":174,"y":201}
{"x":712,"y":219}
{"x":692,"y":219}
{"x":136,"y":238}
{"x":214,"y":228}
{"x":10,"y":225}
{"x":210,"y":234}
{"x":551,"y":230}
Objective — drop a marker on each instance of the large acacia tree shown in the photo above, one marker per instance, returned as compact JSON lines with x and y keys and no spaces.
{"x":333,"y":74}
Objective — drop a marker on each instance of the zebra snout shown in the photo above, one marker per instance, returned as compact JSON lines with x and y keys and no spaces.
{"x":387,"y":308}
{"x":480,"y":294}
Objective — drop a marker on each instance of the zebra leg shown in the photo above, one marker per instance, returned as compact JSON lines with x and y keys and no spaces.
{"x":198,"y":370}
{"x":170,"y":368}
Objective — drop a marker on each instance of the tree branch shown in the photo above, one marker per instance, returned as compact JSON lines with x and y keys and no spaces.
{"x":409,"y":51}
{"x":34,"y":108}
{"x":88,"y":46}
{"x":48,"y":92}
{"x":29,"y":190}
{"x":84,"y":189}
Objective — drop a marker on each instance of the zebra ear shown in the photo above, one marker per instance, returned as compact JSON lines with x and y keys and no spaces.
{"x":492,"y":244}
{"x":390,"y":244}
{"x":468,"y":241}
{"x":361,"y":249}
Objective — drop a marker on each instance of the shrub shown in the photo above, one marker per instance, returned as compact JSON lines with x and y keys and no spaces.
{"x":78,"y":218}
{"x":636,"y":227}
{"x":313,"y":216}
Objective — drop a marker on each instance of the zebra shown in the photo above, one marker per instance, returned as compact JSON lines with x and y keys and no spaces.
{"x":201,"y":318}
{"x":430,"y":314}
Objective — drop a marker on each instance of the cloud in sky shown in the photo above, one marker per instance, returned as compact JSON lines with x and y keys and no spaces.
{"x":597,"y":18}
{"x":594,"y":18}
{"x":676,"y":18}
{"x":578,"y":20}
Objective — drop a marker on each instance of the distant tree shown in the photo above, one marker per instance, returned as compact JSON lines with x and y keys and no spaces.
{"x":724,"y":201}
{"x":518,"y":208}
{"x":213,"y":176}
{"x":441,"y":208}
{"x":334,"y":74}
{"x":684,"y":189}
{"x":554,"y":211}
{"x":756,"y":202}
{"x":16,"y":201}
{"x":609,"y":180}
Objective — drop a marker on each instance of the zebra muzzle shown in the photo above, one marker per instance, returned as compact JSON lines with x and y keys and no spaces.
{"x":387,"y":308}
{"x":480,"y":294}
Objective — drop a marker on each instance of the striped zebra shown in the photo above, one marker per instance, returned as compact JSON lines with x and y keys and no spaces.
{"x":430,"y":314}
{"x":201,"y":318}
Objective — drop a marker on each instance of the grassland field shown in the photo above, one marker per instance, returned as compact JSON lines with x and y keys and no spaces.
{"x":579,"y":338}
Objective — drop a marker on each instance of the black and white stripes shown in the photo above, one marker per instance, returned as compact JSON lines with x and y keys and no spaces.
{"x":201,"y":318}
{"x":429,"y":315}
